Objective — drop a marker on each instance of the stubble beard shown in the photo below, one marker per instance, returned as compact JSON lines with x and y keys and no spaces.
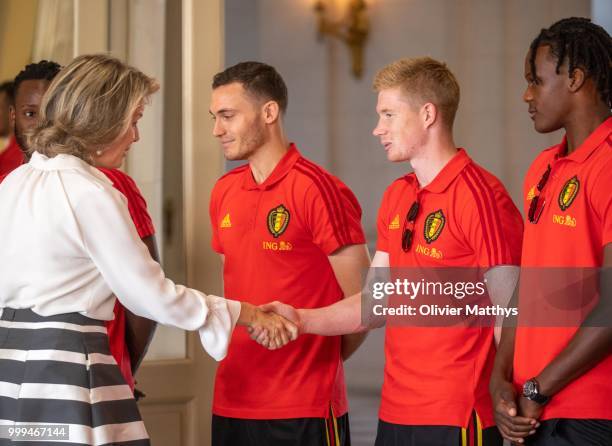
{"x":252,"y":141}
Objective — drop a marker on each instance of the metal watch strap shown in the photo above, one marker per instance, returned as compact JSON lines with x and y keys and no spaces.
{"x":535,"y":395}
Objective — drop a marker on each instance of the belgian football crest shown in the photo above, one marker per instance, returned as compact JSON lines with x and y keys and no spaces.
{"x":278,"y":220}
{"x":568,"y":193}
{"x":434,"y":223}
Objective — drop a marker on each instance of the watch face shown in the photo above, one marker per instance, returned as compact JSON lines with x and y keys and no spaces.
{"x":529,"y":388}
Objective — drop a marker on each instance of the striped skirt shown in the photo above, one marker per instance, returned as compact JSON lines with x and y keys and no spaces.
{"x":57,"y":371}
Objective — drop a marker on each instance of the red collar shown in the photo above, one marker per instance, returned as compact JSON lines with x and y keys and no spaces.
{"x":588,"y":146}
{"x":282,"y":168}
{"x":446,"y":176}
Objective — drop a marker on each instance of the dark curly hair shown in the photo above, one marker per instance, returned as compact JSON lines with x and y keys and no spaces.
{"x":259,"y":79}
{"x":584,"y":45}
{"x":44,"y":70}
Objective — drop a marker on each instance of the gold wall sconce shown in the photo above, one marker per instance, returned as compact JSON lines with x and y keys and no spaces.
{"x":353,"y":29}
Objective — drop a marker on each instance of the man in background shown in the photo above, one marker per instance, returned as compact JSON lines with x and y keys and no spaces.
{"x":10,"y":155}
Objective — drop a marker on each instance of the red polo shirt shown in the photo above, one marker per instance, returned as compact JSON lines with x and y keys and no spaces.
{"x":144,"y":225}
{"x":574,"y":227}
{"x":276,"y":238}
{"x":10,"y":158}
{"x":439,"y":375}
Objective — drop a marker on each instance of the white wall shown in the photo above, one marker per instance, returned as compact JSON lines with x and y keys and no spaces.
{"x":601,"y":12}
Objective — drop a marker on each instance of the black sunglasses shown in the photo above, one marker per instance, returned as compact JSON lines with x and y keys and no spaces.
{"x":537,"y":203}
{"x":408,"y":233}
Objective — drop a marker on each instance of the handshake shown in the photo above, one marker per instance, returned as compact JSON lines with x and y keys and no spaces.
{"x":273,"y":325}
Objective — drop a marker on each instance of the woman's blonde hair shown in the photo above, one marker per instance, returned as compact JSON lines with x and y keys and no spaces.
{"x":88,"y":105}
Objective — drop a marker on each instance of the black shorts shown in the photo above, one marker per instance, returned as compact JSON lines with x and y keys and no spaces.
{"x":289,"y":432}
{"x":570,"y":432}
{"x":401,"y":435}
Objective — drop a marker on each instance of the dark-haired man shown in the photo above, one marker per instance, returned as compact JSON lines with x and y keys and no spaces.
{"x":32,"y":83}
{"x":129,"y":335}
{"x":10,"y":155}
{"x":561,"y":375}
{"x":283,"y":227}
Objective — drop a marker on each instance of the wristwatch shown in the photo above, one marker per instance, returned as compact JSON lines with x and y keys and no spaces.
{"x":531,"y":391}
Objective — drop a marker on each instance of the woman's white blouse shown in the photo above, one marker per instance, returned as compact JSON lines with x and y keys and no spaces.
{"x":67,"y":243}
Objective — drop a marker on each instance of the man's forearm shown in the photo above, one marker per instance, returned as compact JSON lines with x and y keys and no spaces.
{"x":591,"y":343}
{"x":341,"y":318}
{"x":502,"y":283}
{"x":505,"y":354}
{"x":351,"y":342}
{"x":588,"y":347}
{"x":139,"y":332}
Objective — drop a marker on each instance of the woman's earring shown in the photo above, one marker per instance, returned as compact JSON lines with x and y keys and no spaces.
{"x":99,"y":152}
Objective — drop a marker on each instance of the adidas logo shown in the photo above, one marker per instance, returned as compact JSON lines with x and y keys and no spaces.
{"x":226,"y":222}
{"x":395,"y":224}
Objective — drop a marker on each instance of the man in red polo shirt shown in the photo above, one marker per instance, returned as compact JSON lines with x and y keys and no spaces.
{"x":129,"y":335}
{"x":10,"y":155}
{"x":283,"y":227}
{"x":449,"y":213}
{"x":563,"y":373}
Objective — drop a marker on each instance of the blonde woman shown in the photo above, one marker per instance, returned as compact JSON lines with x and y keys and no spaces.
{"x":68,"y":246}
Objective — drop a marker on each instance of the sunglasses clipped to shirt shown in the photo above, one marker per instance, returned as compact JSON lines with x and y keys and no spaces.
{"x":408,"y":233}
{"x":537,"y":203}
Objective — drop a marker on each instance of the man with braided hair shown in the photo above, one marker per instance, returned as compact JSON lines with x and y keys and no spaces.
{"x":551,"y":385}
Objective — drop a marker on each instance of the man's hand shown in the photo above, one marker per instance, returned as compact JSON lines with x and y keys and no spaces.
{"x":512,"y":426}
{"x":261,"y":335}
{"x":273,"y":331}
{"x":284,"y":310}
{"x":530,"y":409}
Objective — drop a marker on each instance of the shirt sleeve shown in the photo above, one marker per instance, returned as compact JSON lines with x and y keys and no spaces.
{"x":124,"y":262}
{"x":137,"y":205}
{"x":601,"y":198}
{"x":333,"y":215}
{"x":382,"y":226}
{"x":492,"y":226}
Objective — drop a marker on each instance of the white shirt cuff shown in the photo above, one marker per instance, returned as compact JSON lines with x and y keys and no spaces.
{"x":216,"y":332}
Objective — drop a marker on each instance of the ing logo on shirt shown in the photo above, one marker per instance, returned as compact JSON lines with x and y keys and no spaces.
{"x":277,"y":246}
{"x":568,"y":193}
{"x":430,"y":252}
{"x":395,"y":224}
{"x":278,"y":220}
{"x":434,"y":223}
{"x":564,"y":220}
